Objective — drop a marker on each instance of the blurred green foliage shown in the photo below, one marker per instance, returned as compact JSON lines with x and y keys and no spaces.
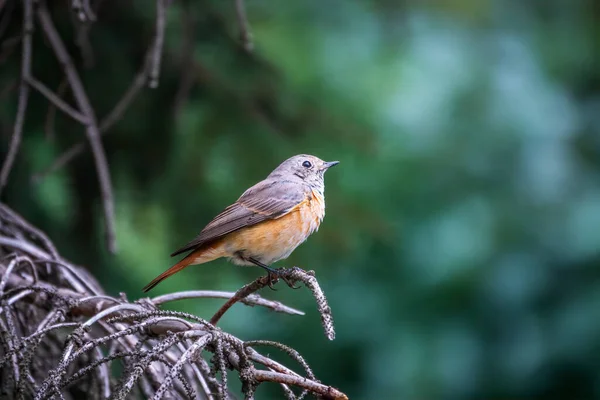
{"x":461,"y":247}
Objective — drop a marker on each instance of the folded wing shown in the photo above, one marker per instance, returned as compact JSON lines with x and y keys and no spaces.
{"x":263,"y":201}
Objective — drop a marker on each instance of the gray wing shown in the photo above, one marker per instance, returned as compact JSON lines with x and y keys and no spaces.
{"x":266,"y":200}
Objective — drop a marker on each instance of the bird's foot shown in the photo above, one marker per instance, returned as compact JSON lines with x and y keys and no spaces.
{"x":288,"y":281}
{"x":273,"y":277}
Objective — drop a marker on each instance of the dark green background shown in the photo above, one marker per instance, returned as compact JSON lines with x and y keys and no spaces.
{"x":461,"y":248}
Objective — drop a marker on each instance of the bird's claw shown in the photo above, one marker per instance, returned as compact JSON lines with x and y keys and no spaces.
{"x":290,"y":283}
{"x":273,"y":278}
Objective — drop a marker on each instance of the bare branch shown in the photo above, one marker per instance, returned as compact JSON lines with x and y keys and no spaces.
{"x":87,"y":8}
{"x":309,"y":280}
{"x":111,"y":118}
{"x":243,"y":292}
{"x":15,"y":141}
{"x":161,"y":11}
{"x":83,"y":10}
{"x":160,"y":350}
{"x":188,"y":356}
{"x":291,"y":352}
{"x":9,"y":215}
{"x":92,"y":130}
{"x":19,"y":260}
{"x":122,"y":105}
{"x":180,"y":358}
{"x":328,"y":392}
{"x":291,"y":276}
{"x":250,"y":300}
{"x":43,"y":297}
{"x":56,"y":100}
{"x":61,"y":161}
{"x":23,"y":247}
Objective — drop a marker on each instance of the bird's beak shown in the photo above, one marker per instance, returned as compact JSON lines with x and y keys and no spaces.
{"x":329,"y":164}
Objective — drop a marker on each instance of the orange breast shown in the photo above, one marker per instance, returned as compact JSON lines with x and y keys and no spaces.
{"x":273,"y":240}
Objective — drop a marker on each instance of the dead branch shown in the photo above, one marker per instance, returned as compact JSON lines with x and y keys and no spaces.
{"x":111,"y":118}
{"x":327,"y":392}
{"x":56,"y":100}
{"x":161,"y":11}
{"x":250,"y":300}
{"x":117,"y":112}
{"x":92,"y":130}
{"x":15,"y":141}
{"x":291,"y":276}
{"x":59,"y":332}
{"x":83,"y":10}
{"x":60,"y":335}
{"x":192,"y":73}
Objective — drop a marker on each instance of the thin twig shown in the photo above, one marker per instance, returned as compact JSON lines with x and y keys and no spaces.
{"x":328,"y":392}
{"x":15,"y":218}
{"x":190,"y":354}
{"x":267,"y":362}
{"x":70,"y":274}
{"x":92,"y":130}
{"x":107,"y":122}
{"x":99,"y":316}
{"x":202,"y":381}
{"x":243,"y":292}
{"x":244,"y":25}
{"x":17,"y":261}
{"x":251,"y":300}
{"x":291,"y":276}
{"x":291,"y":352}
{"x":23,"y":246}
{"x":57,"y":101}
{"x":161,"y":11}
{"x":309,"y":280}
{"x":15,"y":141}
{"x":123,"y":104}
{"x":89,"y":12}
{"x":78,"y":9}
{"x":61,"y":161}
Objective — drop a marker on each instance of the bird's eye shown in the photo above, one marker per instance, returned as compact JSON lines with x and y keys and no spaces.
{"x":306,"y":164}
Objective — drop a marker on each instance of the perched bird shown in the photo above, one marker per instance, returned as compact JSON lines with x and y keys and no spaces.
{"x":266,"y":223}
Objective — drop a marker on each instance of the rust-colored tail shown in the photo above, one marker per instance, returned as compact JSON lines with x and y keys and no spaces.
{"x":175,"y":268}
{"x":202,"y":255}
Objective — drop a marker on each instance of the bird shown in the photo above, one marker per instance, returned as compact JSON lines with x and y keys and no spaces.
{"x":266,"y":223}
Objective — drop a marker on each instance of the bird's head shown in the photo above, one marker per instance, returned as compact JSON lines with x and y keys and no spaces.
{"x":306,"y":168}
